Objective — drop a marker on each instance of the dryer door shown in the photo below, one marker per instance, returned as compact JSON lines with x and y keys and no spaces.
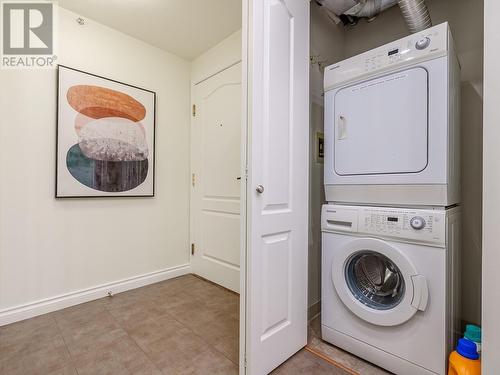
{"x":381,"y":125}
{"x":378,"y":283}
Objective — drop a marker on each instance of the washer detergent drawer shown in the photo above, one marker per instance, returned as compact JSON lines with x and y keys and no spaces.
{"x":381,"y":125}
{"x":334,"y":218}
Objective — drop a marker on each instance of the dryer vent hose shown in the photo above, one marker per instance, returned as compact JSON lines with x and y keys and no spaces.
{"x":416,"y":14}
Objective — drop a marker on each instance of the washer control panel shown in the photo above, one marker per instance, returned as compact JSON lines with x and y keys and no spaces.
{"x":418,"y":225}
{"x":421,"y":46}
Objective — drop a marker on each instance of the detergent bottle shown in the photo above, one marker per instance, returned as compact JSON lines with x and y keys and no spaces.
{"x":473,"y":333}
{"x":465,"y":359}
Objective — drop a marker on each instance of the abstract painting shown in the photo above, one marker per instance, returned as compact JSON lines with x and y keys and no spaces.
{"x":105,"y":137}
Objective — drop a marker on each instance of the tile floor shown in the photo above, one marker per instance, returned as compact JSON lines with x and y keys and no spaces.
{"x":180,"y":326}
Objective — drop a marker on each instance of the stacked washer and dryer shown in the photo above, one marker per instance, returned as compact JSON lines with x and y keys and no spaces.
{"x":391,"y":229}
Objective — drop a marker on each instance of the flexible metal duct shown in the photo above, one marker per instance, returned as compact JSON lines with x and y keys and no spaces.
{"x":370,"y":8}
{"x":416,"y":14}
{"x":357,"y":8}
{"x":338,"y":7}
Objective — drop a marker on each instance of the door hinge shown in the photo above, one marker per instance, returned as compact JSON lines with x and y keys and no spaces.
{"x":193,"y":179}
{"x":194,"y":110}
{"x":192,"y":249}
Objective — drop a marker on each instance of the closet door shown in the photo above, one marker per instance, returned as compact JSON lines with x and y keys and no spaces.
{"x":277,"y":193}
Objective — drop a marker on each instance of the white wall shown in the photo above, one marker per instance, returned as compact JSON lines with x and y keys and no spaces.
{"x":466,"y":20}
{"x":327,"y":45}
{"x":491,"y":191}
{"x":217,"y":58}
{"x":51,"y":247}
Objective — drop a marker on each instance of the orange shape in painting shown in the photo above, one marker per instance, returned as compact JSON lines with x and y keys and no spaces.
{"x":99,"y":102}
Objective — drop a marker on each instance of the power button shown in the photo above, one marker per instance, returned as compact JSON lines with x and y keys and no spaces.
{"x":423,"y":43}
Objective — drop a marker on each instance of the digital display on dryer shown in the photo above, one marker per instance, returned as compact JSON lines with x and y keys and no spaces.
{"x":393,"y":219}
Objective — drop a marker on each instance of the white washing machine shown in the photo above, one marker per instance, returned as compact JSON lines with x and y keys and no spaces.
{"x":390,"y":291}
{"x":392,"y":124}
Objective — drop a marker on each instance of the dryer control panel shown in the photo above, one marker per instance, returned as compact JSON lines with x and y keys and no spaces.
{"x":414,"y":225}
{"x":425,"y":45}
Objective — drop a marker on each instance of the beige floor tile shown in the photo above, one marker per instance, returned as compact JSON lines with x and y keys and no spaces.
{"x":208,"y":362}
{"x":37,"y":357}
{"x":181,"y":304}
{"x":32,"y":325}
{"x":66,"y":370}
{"x":229,"y":305}
{"x":217,"y":329}
{"x":176,"y":303}
{"x":305,"y":362}
{"x":28,"y":336}
{"x":230,"y":347}
{"x":150,"y":330}
{"x":208,"y":293}
{"x":172,"y":286}
{"x":131,"y":315}
{"x":80,"y":315}
{"x":180,"y":326}
{"x":122,"y":357}
{"x":175,"y":352}
{"x":126,"y":300}
{"x":54,"y":357}
{"x":92,"y":335}
{"x":12,"y":365}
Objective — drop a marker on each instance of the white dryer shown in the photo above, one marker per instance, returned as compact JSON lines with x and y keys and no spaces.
{"x":390,"y":291}
{"x":392,"y":124}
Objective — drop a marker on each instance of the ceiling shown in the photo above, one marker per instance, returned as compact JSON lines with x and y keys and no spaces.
{"x":186,"y":28}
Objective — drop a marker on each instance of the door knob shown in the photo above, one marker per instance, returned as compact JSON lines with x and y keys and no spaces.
{"x":259,"y":189}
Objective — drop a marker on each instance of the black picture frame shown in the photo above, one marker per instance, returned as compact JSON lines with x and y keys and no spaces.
{"x":57,"y":133}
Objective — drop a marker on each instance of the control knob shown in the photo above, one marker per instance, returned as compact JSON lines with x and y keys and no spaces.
{"x":423,"y":43}
{"x":417,"y":222}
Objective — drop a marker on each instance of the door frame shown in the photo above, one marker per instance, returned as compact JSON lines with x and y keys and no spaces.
{"x":245,"y":130}
{"x":491,"y":183}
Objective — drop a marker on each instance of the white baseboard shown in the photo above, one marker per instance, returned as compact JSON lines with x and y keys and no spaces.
{"x":17,"y":313}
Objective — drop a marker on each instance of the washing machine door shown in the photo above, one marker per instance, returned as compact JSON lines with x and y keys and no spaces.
{"x":378,"y":283}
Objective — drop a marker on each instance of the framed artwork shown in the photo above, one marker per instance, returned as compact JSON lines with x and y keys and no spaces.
{"x":105,"y":137}
{"x":320,"y":148}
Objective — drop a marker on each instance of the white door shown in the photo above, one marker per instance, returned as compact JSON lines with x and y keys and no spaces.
{"x":381,"y":125}
{"x":277,"y":195}
{"x":216,"y":180}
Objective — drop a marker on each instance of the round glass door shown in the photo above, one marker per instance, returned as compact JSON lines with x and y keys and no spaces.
{"x":374,"y":280}
{"x":377,"y":282}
